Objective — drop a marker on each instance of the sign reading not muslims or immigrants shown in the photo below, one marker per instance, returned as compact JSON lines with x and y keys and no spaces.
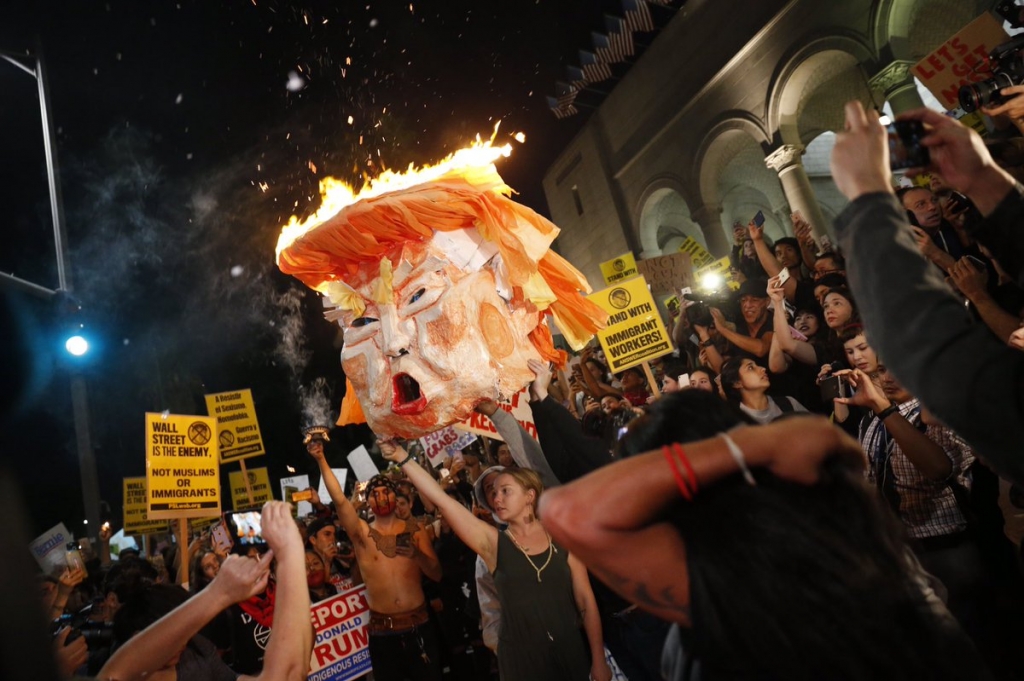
{"x":182,"y":471}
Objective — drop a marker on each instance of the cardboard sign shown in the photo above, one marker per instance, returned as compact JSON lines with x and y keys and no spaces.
{"x":667,"y":273}
{"x":342,"y":475}
{"x":259,"y":479}
{"x":953,"y":63}
{"x":699,"y":256}
{"x":297,"y":483}
{"x":136,"y":518}
{"x":619,"y":268}
{"x":518,"y":405}
{"x":445,"y":442}
{"x":182,"y":471}
{"x":635,"y":332}
{"x":237,"y":430}
{"x":48,"y":549}
{"x":341,"y":648}
{"x":361,"y":464}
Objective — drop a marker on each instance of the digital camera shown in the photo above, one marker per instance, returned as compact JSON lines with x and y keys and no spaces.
{"x":1006,"y":62}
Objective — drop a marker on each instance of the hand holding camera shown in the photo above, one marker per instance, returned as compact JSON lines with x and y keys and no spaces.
{"x":866,"y":394}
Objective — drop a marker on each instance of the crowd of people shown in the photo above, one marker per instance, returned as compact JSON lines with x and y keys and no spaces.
{"x":824,"y":483}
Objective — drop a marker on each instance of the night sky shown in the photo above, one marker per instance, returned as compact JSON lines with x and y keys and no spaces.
{"x":182,"y":150}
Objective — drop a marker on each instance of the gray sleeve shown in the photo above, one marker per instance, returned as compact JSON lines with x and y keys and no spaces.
{"x":490,"y":607}
{"x":525,"y":450}
{"x":966,"y":377}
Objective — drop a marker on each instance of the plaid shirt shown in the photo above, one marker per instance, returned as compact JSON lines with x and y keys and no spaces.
{"x":927,"y":508}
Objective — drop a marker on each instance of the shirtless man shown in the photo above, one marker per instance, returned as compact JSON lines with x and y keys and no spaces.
{"x":392,"y":560}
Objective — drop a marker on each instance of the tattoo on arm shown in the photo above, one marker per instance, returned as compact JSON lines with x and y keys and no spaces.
{"x":639,"y":593}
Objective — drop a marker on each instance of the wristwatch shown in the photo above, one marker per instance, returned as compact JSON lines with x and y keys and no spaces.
{"x":707,"y":344}
{"x":887,"y":412}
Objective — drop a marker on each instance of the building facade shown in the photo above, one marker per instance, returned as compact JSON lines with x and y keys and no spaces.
{"x":730,"y":111}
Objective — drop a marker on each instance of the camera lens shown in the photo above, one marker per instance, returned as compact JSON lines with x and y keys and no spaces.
{"x":984,"y":93}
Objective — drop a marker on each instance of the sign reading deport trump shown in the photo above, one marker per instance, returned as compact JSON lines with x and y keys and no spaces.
{"x":635,"y":332}
{"x":182,"y":474}
{"x":341,"y":649}
{"x":237,"y":430}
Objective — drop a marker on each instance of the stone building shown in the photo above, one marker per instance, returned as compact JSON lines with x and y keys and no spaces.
{"x":731,"y":110}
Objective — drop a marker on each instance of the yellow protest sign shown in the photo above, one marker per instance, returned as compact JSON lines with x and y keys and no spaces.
{"x":237,"y":430}
{"x":635,"y":332}
{"x":259,"y":480}
{"x":619,"y":269}
{"x":182,"y":473}
{"x":136,"y":520}
{"x":960,"y":60}
{"x":698,"y":254}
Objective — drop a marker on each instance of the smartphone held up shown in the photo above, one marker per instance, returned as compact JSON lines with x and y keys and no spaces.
{"x":905,"y":148}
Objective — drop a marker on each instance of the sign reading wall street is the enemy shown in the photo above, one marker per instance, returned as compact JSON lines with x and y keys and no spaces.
{"x":182,"y":473}
{"x":238,"y":432}
{"x":135,"y":519}
{"x":635,"y":332}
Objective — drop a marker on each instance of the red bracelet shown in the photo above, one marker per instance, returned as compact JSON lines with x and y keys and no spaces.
{"x":677,"y":474}
{"x":677,"y":449}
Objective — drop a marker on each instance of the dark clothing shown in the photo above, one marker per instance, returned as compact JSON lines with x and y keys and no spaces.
{"x":200,"y":662}
{"x":541,"y":638}
{"x":744,"y":330}
{"x":570,"y":452}
{"x":971,"y":381}
{"x":414,"y":655}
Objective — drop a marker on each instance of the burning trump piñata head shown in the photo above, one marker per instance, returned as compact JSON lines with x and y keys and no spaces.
{"x":441,"y":284}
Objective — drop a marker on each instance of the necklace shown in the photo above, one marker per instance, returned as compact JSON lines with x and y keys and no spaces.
{"x":551,"y":551}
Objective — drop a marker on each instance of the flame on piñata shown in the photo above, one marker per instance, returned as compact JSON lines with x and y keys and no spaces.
{"x":336,"y":195}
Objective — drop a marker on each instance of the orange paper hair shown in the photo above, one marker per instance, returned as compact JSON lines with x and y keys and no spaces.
{"x":462,"y":198}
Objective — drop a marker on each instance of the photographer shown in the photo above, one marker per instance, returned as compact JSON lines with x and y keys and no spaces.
{"x":966,"y":377}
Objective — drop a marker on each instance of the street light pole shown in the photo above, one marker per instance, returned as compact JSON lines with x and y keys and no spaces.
{"x":79,"y":395}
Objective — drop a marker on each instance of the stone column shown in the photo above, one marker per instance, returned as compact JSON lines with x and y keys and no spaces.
{"x":797,"y":186}
{"x":647,"y":253}
{"x":896,"y":84}
{"x":709,"y":217}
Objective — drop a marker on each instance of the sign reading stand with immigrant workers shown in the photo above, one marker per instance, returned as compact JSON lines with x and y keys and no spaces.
{"x":238,"y":433}
{"x":619,"y":268}
{"x":635,"y":332}
{"x":259,"y":481}
{"x":182,"y":472}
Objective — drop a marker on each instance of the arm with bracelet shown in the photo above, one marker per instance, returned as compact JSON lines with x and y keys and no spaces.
{"x":636,"y":525}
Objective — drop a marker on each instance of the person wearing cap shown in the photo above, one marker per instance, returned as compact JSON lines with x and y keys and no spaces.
{"x":393,"y":558}
{"x":751,"y":336}
{"x":323,"y":540}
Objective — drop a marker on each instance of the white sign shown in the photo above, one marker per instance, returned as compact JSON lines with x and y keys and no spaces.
{"x":341,"y":474}
{"x":361,"y":464}
{"x":445,"y":442}
{"x":296,"y":483}
{"x":48,"y":549}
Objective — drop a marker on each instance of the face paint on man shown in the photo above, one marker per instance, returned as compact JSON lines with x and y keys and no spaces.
{"x":382,"y":500}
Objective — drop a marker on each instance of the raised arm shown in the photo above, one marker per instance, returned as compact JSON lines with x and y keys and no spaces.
{"x":474,"y":533}
{"x":152,"y":648}
{"x":623,"y":539}
{"x":526,"y":452}
{"x":799,"y":350}
{"x":346,"y":511}
{"x":972,"y":282}
{"x":291,"y":640}
{"x":965,"y":376}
